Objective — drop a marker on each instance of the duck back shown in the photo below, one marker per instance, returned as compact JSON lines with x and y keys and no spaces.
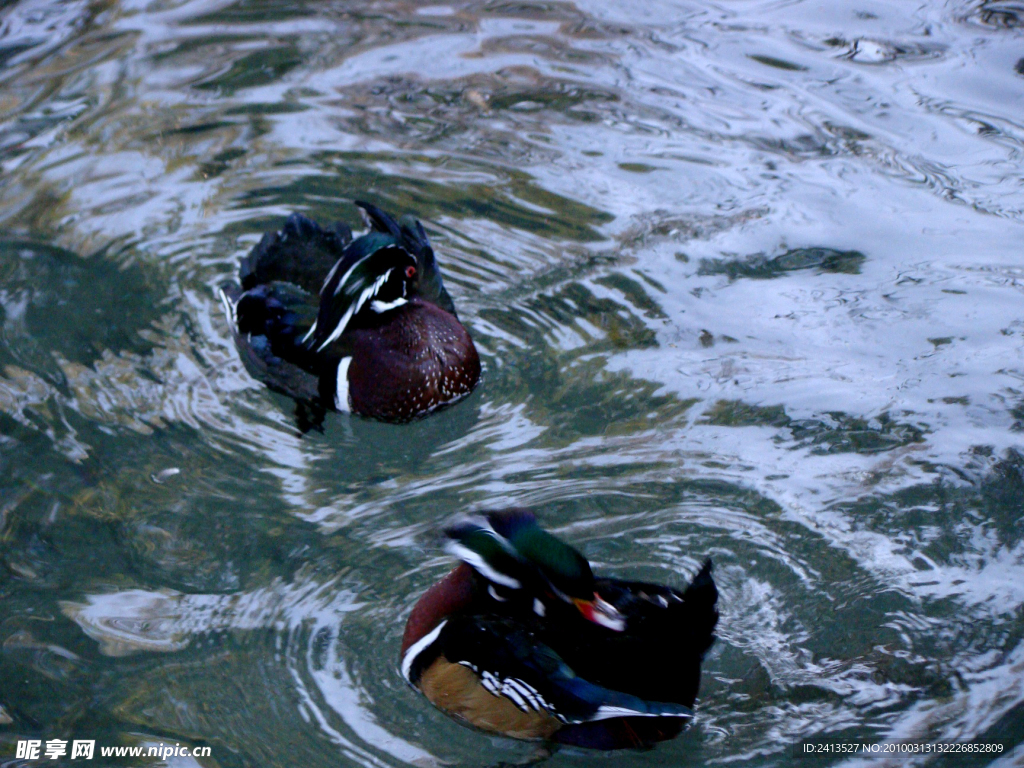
{"x":659,"y":655}
{"x":302,"y":254}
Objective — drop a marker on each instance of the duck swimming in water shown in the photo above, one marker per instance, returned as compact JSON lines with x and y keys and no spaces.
{"x":362,"y":325}
{"x":523,"y":640}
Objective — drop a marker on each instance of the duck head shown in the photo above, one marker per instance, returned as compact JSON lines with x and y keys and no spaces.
{"x":519,"y":559}
{"x":408,"y":234}
{"x":378,"y":272}
{"x":361,"y":283}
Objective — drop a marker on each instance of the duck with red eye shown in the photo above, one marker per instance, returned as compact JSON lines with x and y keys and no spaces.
{"x":522,"y":639}
{"x":362,"y":325}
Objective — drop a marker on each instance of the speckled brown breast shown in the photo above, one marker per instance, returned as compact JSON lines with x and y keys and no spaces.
{"x":418,"y":360}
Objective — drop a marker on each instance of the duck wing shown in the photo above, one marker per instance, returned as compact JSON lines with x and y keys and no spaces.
{"x":269,"y":322}
{"x":302,"y":254}
{"x":498,"y":675}
{"x":656,"y":611}
{"x":659,"y":654}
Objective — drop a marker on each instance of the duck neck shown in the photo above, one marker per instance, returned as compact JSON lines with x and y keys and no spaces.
{"x":455,"y":592}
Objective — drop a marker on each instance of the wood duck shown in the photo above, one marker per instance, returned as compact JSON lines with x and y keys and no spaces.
{"x":521,"y":639}
{"x":361,"y":325}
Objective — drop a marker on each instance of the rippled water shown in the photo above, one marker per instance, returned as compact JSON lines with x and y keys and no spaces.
{"x":747,"y":281}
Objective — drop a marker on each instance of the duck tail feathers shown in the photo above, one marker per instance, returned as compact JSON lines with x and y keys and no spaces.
{"x":603,"y":703}
{"x":378,"y":220}
{"x":700,"y":603}
{"x":300,"y":254}
{"x":415,"y":239}
{"x":703,"y":583}
{"x":301,"y":227}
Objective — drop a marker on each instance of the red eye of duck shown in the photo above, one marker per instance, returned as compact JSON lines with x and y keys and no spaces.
{"x":410,"y":272}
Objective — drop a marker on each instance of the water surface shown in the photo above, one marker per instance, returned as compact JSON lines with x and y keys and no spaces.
{"x":747,"y":282}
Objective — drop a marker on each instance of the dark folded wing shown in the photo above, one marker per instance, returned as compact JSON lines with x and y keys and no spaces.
{"x":513,"y":664}
{"x":269,"y":323}
{"x":302,"y":253}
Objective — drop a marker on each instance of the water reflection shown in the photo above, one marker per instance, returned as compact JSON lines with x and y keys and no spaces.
{"x":745,"y":280}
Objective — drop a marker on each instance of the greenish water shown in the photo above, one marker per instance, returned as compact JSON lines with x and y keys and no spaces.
{"x":746,"y":278}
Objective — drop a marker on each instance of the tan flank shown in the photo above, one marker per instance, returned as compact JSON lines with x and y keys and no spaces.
{"x":456,"y":689}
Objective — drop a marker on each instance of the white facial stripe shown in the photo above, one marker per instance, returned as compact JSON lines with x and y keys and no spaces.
{"x":479,"y":521}
{"x":343,"y":280}
{"x":418,"y":647}
{"x":310,"y":332}
{"x":538,"y":607}
{"x":341,"y":387}
{"x":481,"y":566}
{"x":330,"y":275}
{"x":379,"y":282}
{"x":365,"y":296}
{"x":383,"y":306}
{"x":485,"y":526}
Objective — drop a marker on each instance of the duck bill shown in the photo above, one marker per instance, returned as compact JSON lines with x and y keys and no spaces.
{"x":601,"y":613}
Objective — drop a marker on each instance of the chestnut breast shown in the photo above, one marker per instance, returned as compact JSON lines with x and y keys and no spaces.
{"x":417,"y":358}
